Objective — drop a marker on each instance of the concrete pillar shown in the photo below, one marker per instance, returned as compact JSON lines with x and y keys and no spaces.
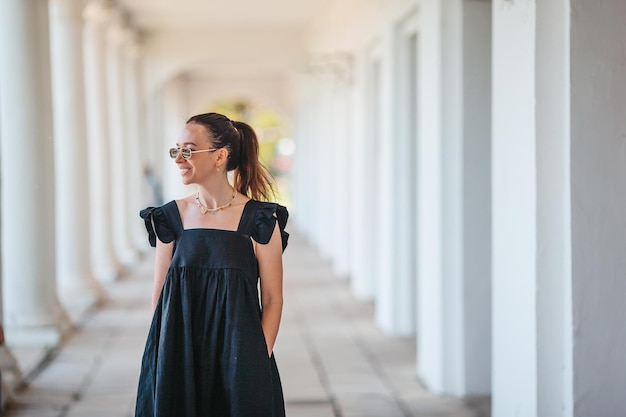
{"x":106,"y":267}
{"x":383,"y":199}
{"x":454,"y":217}
{"x":554,"y":275}
{"x":430,"y":357}
{"x":175,"y":114}
{"x":403,"y":277}
{"x":330,"y":150}
{"x":515,"y":207}
{"x":324,"y":167}
{"x":137,"y":143}
{"x":77,"y":289}
{"x":32,"y":313}
{"x":342,"y":161}
{"x":306,"y":179}
{"x":598,"y":203}
{"x":155,"y":140}
{"x":121,"y":158}
{"x":362,"y":280}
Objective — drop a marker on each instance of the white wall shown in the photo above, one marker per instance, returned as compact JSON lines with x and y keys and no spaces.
{"x":598,"y":178}
{"x":271,"y":90}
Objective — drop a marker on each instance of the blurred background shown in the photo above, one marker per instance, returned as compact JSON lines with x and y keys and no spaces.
{"x":459,"y":165}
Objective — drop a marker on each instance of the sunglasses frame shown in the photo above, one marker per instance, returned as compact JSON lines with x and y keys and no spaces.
{"x":186,"y":152}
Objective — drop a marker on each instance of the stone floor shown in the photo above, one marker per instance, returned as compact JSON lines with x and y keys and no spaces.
{"x":334,"y":362}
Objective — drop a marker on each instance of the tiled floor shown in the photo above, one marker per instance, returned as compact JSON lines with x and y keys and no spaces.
{"x":334,"y":362}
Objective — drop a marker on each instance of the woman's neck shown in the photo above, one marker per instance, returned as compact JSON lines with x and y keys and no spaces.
{"x":215,"y":194}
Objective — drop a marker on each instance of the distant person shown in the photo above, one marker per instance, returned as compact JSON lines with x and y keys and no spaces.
{"x":209,"y":349}
{"x":154,"y":184}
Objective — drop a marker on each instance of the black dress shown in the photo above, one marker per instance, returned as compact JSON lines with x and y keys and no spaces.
{"x":206,"y":353}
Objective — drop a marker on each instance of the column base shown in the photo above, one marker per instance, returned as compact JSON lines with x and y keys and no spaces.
{"x":80,"y":298}
{"x":11,"y":375}
{"x":34,"y":337}
{"x":129,"y":257}
{"x":108,"y":273}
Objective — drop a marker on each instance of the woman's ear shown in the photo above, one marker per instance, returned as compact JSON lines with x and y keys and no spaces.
{"x":222,"y":156}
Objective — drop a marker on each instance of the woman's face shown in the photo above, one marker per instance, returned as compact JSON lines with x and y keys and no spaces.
{"x":202,"y":164}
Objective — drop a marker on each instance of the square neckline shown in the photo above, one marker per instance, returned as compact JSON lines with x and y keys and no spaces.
{"x":239,"y":224}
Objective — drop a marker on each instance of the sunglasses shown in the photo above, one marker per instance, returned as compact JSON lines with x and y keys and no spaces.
{"x":187,"y":152}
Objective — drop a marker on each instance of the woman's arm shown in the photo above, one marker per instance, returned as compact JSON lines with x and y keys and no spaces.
{"x":162,"y":261}
{"x":270,"y":258}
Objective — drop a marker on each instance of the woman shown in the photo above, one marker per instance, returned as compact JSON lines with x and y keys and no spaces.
{"x":209,"y":349}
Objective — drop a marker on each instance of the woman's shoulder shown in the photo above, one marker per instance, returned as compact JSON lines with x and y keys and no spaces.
{"x":162,"y":211}
{"x":266,"y":215}
{"x":160,"y":222}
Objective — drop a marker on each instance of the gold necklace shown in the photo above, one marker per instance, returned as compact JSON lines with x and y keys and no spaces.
{"x":204,"y":209}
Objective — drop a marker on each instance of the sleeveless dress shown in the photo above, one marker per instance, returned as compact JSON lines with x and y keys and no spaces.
{"x":206,"y":354}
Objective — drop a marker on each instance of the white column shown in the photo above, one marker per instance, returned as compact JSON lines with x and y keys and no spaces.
{"x":404,"y":209}
{"x":371,"y":170}
{"x":105,"y":264}
{"x":137,"y":144}
{"x":324,"y":167}
{"x":383,"y":200}
{"x":554,"y":219}
{"x":514,"y":208}
{"x":32,"y":313}
{"x":175,"y":114}
{"x":430,"y":356}
{"x":77,"y":289}
{"x":304,"y":179}
{"x":121,"y":158}
{"x":153,"y":122}
{"x":453,"y":160}
{"x":342,"y":162}
{"x":362,"y":278}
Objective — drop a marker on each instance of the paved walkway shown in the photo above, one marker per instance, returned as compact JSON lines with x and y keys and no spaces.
{"x":334,"y":362}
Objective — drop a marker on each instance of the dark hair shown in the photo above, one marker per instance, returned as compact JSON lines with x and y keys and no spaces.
{"x":251,"y":177}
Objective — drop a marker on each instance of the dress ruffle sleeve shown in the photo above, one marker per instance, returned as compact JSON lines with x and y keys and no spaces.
{"x":157,"y":225}
{"x":265,"y":222}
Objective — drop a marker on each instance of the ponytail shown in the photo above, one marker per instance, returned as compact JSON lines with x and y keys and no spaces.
{"x":251,"y":177}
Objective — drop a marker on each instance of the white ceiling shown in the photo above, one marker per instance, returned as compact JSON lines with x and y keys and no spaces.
{"x":162,"y":15}
{"x":212,"y":38}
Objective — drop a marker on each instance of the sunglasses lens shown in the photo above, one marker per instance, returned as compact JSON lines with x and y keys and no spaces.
{"x":185,"y":153}
{"x":173,"y":152}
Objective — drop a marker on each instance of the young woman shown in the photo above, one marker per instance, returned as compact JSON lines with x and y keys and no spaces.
{"x":209,"y":349}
